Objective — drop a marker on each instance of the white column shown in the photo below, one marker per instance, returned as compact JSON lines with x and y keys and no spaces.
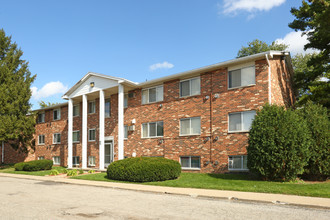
{"x":120,"y":122}
{"x":84,"y":132}
{"x":101,"y":131}
{"x":70,"y":129}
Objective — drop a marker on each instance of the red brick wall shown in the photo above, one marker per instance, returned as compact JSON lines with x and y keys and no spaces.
{"x":213,"y":113}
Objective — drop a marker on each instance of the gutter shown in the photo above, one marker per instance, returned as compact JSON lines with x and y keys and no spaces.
{"x":269,"y":81}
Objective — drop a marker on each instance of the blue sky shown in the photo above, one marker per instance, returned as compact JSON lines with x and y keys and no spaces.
{"x":137,"y":40}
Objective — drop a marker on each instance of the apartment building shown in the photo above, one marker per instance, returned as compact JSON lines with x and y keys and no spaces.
{"x":200,"y":117}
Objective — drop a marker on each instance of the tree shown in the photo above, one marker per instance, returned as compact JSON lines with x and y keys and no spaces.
{"x":43,"y":104}
{"x":318,"y":124}
{"x":17,"y":122}
{"x":313,"y":19}
{"x":279,"y":140}
{"x":258,"y":46}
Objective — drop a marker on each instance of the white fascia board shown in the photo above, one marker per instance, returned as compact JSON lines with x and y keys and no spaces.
{"x":51,"y":107}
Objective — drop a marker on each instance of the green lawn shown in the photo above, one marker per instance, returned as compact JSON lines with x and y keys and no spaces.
{"x":11,"y":169}
{"x":236,"y":182}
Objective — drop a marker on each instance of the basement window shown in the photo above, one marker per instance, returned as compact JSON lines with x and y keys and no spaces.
{"x":237,"y":162}
{"x":190,"y":162}
{"x":75,"y":160}
{"x":57,"y":160}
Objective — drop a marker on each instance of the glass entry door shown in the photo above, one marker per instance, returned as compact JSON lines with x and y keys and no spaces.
{"x":108,"y":153}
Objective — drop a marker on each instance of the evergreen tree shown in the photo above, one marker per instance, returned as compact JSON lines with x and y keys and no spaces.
{"x":16,"y":120}
{"x":258,"y":46}
{"x":313,"y":19}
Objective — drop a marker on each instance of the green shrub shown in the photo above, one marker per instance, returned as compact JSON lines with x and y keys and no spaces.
{"x":81,"y":171}
{"x":144,"y":169}
{"x":72,"y":172}
{"x":318,"y":124}
{"x":54,"y":172}
{"x":91,"y":171}
{"x":278,"y":144}
{"x":65,"y":171}
{"x":34,"y":165}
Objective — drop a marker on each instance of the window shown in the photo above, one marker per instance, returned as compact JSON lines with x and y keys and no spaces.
{"x":107,"y":108}
{"x":91,"y":161}
{"x":242,"y":77}
{"x":41,"y":158}
{"x":190,"y":162}
{"x":190,"y":87}
{"x":154,"y":94}
{"x":56,"y":160}
{"x":91,"y":135}
{"x":76,"y":136}
{"x":76,"y":110}
{"x":237,"y":162}
{"x":41,"y":117}
{"x":41,"y":140}
{"x":91,"y":107}
{"x":125,"y":131}
{"x":75,"y":160}
{"x":57,"y":138}
{"x":190,"y":126}
{"x":57,"y":114}
{"x":125,"y":100}
{"x":241,"y":121}
{"x":153,"y":129}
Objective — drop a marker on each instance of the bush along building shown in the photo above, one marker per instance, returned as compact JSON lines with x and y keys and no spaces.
{"x":200,"y":118}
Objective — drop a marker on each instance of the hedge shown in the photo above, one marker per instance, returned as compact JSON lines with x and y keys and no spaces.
{"x":144,"y":169}
{"x":34,"y":165}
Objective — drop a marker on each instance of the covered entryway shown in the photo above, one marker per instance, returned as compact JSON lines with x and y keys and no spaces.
{"x":108,"y":153}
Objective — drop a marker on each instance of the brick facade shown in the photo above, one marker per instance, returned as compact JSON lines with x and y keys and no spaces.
{"x":212,"y":105}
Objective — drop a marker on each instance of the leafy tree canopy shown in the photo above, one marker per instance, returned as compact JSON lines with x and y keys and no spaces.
{"x":16,"y":127}
{"x":313,"y":19}
{"x":43,"y":104}
{"x":258,"y":46}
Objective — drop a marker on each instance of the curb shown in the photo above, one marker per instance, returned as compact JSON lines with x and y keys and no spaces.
{"x":232,"y":196}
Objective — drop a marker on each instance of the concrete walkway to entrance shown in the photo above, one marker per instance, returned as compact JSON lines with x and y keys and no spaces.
{"x":280,"y":199}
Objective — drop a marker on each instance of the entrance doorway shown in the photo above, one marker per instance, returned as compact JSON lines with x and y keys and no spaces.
{"x":108,"y":153}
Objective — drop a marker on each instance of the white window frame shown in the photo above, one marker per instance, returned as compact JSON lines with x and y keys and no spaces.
{"x":75,"y":164}
{"x":94,"y":104}
{"x":126,"y":98}
{"x":56,"y":138}
{"x":148,"y":89}
{"x":43,"y":117}
{"x":190,"y":86}
{"x":89,"y":161}
{"x":41,"y":157}
{"x":242,"y":163}
{"x":59,"y":159}
{"x":89,"y":135}
{"x":125,"y":132}
{"x":148,"y":123}
{"x":39,"y":139}
{"x":241,"y":86}
{"x":105,"y":101}
{"x":58,"y":114}
{"x":200,"y":129}
{"x":242,"y":121}
{"x":191,"y":168}
{"x":73,"y":141}
{"x":76,"y":106}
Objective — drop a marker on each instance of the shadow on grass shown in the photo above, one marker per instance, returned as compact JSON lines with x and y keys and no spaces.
{"x":235,"y":176}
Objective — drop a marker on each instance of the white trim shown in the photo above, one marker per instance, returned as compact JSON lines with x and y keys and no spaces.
{"x":200,"y":129}
{"x":242,"y":163}
{"x":58,"y":112}
{"x":101,"y":128}
{"x":84,"y":131}
{"x":70,"y":134}
{"x":148,"y":123}
{"x":79,"y":136}
{"x":44,"y":115}
{"x":89,"y":102}
{"x":76,"y":105}
{"x":269,"y":81}
{"x":92,"y":165}
{"x":191,"y":168}
{"x":54,"y":160}
{"x":241,"y":86}
{"x":120,"y":122}
{"x":148,"y":89}
{"x":242,"y":120}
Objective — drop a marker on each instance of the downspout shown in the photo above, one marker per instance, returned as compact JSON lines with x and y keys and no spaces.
{"x":269,"y":81}
{"x":211,"y":118}
{"x":3,"y":152}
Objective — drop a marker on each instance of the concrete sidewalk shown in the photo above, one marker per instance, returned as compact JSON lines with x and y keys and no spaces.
{"x":313,"y":202}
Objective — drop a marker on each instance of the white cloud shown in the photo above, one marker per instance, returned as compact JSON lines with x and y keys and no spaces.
{"x":49,"y":89}
{"x":296,"y":42}
{"x":164,"y":65}
{"x":233,"y":6}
